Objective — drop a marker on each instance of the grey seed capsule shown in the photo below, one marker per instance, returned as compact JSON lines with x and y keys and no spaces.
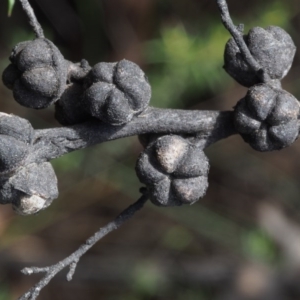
{"x":170,"y":151}
{"x":260,"y":140}
{"x":174,"y":171}
{"x":10,"y":75}
{"x":117,"y":110}
{"x":285,"y":134}
{"x":287,"y":108}
{"x":102,"y":72}
{"x":95,"y":98}
{"x":12,"y":153}
{"x":267,"y":118}
{"x":161,"y":195}
{"x":30,"y":98}
{"x":261,"y":99}
{"x":189,"y":190}
{"x":272,"y":48}
{"x":16,"y":127}
{"x":132,"y":81}
{"x":28,"y":205}
{"x":116,"y":92}
{"x":42,"y":81}
{"x":39,"y":75}
{"x":37,"y":53}
{"x":148,"y":169}
{"x":244,"y":120}
{"x":14,"y":56}
{"x":194,"y":164}
{"x":38,"y":186}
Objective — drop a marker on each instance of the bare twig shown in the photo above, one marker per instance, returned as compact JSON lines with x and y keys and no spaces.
{"x":238,"y":37}
{"x":209,"y":126}
{"x":37,"y":28}
{"x":74,"y":258}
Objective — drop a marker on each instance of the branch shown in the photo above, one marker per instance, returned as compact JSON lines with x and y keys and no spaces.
{"x":239,"y":39}
{"x":208,"y":126}
{"x":37,"y":28}
{"x":74,"y":258}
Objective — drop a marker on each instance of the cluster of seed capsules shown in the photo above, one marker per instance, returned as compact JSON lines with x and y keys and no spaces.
{"x":39,"y":76}
{"x":111,"y":92}
{"x":267,"y":117}
{"x":28,"y":186}
{"x":173,"y":168}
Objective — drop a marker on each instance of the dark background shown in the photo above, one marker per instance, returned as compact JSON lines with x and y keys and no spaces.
{"x":241,"y":241}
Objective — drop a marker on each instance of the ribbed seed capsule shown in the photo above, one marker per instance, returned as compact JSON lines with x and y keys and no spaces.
{"x":30,"y":189}
{"x":174,"y":171}
{"x":15,"y":138}
{"x":267,"y":118}
{"x":272,"y":48}
{"x":38,"y":186}
{"x":116,"y":92}
{"x":37,"y":75}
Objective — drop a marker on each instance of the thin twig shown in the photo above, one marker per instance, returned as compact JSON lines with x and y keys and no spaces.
{"x":36,"y":26}
{"x":208,"y":125}
{"x":238,"y":37}
{"x":74,"y":258}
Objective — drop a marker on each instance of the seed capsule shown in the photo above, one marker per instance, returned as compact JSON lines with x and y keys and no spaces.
{"x":16,"y":136}
{"x":31,"y":189}
{"x":272,"y":48}
{"x":174,"y":171}
{"x":116,"y":92}
{"x":37,"y":75}
{"x":267,"y":118}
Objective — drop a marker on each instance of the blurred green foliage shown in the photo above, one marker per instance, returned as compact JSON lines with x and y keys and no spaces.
{"x":177,"y":238}
{"x":11,"y":4}
{"x":259,"y":247}
{"x":148,"y":279}
{"x":4,"y":292}
{"x":187,"y":65}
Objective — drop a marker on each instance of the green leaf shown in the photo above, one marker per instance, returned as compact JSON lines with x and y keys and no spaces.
{"x":11,"y":4}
